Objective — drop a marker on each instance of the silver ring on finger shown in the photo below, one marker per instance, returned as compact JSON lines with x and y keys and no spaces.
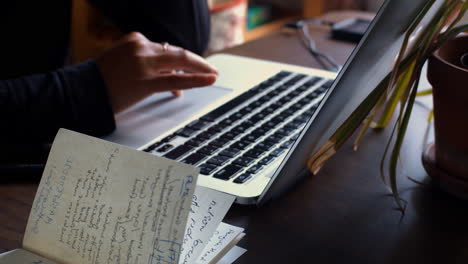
{"x":165,"y":46}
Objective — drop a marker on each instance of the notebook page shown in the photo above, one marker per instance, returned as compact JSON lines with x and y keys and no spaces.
{"x":207,"y":211}
{"x":225,"y":237}
{"x":99,"y":202}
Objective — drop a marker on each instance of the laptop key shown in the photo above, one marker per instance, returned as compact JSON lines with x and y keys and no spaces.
{"x":243,"y":178}
{"x":275,"y":138}
{"x":265,"y":145}
{"x":220,"y":111}
{"x":227,"y":122}
{"x":236,"y":116}
{"x":271,"y":124}
{"x":301,"y":119}
{"x":227,"y":172}
{"x":207,"y":135}
{"x":255,"y":169}
{"x":198,"y":124}
{"x":294,"y":125}
{"x":264,"y":98}
{"x":261,"y":131}
{"x":267,"y":160}
{"x":153,"y":146}
{"x":240,"y":145}
{"x":178,"y":152}
{"x":277,"y":152}
{"x":275,"y":92}
{"x":229,"y":135}
{"x":254,"y":153}
{"x":186,"y":132}
{"x":216,"y":128}
{"x":230,"y":152}
{"x":207,"y":169}
{"x":252,"y":137}
{"x":276,"y":106}
{"x":195,"y":142}
{"x":220,"y":142}
{"x":312,"y":96}
{"x":208,"y":150}
{"x":194,"y":158}
{"x":165,"y":148}
{"x":313,"y":81}
{"x":247,"y":123}
{"x":255,"y":104}
{"x":218,"y":160}
{"x":240,"y":129}
{"x":321,"y":89}
{"x":285,"y":131}
{"x":244,"y":161}
{"x":287,"y":144}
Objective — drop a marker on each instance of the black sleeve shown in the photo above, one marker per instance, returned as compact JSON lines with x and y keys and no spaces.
{"x":33,"y":108}
{"x":184,"y":23}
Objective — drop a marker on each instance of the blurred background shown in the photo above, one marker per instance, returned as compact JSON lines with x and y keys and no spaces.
{"x":233,"y":21}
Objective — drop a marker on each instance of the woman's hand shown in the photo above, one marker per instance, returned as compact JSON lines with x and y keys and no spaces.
{"x":135,"y":68}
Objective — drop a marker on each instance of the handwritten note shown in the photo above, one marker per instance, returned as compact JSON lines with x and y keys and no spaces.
{"x":24,"y":257}
{"x":207,"y":211}
{"x":225,"y":237}
{"x":99,"y":202}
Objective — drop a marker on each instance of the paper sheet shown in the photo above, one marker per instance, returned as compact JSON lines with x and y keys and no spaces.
{"x":225,"y":237}
{"x":99,"y":202}
{"x":22,"y":256}
{"x":207,"y":211}
{"x":232,"y":255}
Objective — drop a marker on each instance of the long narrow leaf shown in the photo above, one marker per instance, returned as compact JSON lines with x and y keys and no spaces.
{"x":398,"y":143}
{"x":340,"y":136}
{"x":424,"y":92}
{"x":398,"y":92}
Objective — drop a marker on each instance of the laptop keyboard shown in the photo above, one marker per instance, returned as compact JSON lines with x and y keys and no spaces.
{"x":241,"y":138}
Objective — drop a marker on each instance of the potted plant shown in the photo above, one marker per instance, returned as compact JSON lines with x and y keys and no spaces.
{"x":398,"y":90}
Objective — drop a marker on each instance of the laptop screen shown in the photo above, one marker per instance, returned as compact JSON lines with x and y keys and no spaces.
{"x":369,"y":63}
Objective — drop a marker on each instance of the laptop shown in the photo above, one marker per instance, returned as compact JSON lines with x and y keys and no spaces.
{"x":252,"y":132}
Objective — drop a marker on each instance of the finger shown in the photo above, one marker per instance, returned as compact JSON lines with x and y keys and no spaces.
{"x":170,"y":82}
{"x":132,"y":36}
{"x":178,"y":58}
{"x":177,"y":93}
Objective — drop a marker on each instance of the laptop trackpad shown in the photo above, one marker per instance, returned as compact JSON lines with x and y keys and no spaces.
{"x":160,"y":113}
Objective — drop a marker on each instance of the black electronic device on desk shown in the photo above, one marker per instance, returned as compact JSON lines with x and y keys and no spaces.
{"x":350,"y":29}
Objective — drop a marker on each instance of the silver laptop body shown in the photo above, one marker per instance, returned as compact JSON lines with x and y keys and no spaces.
{"x":272,"y":115}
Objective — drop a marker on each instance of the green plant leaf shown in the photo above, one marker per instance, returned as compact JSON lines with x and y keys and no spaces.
{"x":398,"y":91}
{"x":398,"y":143}
{"x":424,"y":92}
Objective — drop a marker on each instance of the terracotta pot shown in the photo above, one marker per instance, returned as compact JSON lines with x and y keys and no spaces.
{"x":449,"y":80}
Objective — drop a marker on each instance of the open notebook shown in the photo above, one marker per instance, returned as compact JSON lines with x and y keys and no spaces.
{"x":100,"y":202}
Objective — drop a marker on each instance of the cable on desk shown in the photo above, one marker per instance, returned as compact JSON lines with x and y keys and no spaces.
{"x":325,"y":60}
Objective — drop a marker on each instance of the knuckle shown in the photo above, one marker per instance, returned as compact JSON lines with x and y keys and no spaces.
{"x":181,"y":54}
{"x":185,"y":55}
{"x":138,"y":44}
{"x":135,"y":35}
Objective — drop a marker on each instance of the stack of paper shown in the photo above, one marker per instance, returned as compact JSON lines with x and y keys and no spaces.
{"x":99,"y":202}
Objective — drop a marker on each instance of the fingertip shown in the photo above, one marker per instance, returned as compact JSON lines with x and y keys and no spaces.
{"x":177,"y":93}
{"x":211,"y":78}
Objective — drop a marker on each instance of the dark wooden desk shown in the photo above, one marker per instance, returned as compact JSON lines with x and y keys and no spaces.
{"x":342,"y":215}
